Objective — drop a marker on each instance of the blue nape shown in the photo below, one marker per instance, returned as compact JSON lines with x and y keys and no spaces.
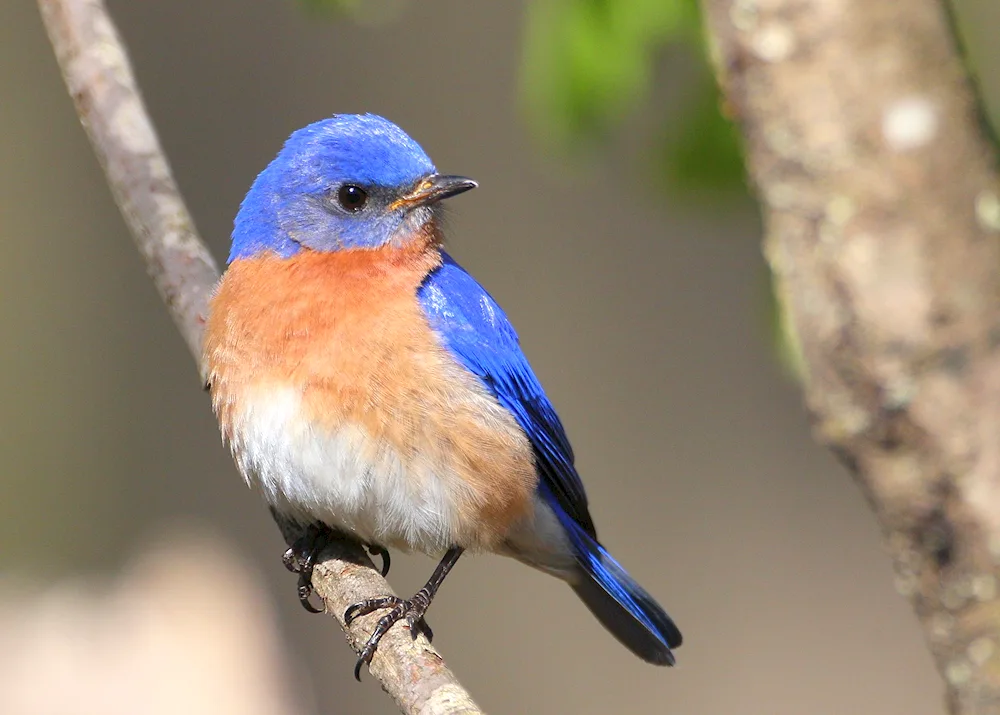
{"x":289,"y":204}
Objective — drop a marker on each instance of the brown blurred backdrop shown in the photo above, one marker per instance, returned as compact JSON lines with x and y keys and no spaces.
{"x":644,"y":317}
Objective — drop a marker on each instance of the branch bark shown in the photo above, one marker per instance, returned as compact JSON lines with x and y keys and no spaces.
{"x":100,"y":80}
{"x":882,"y":211}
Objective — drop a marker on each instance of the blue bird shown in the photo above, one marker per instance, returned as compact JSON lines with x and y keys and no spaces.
{"x":368,"y":385}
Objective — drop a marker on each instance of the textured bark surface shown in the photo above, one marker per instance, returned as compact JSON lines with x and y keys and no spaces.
{"x":100,"y":79}
{"x":881,"y":209}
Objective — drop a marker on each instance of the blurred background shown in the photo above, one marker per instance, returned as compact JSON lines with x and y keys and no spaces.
{"x":614,"y":230}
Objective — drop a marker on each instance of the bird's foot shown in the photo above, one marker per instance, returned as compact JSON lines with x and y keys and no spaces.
{"x":412,"y":610}
{"x":301,"y":558}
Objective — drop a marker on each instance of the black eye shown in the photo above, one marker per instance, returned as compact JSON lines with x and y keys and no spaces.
{"x":352,"y":198}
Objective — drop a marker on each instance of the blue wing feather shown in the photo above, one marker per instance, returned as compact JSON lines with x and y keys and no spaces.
{"x":476,"y":330}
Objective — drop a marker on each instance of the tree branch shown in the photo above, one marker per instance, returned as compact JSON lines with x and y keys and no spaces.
{"x":882,"y":214}
{"x":100,"y":80}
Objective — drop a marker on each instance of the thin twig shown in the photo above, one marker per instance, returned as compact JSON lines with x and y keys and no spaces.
{"x":99,"y":77}
{"x":882,"y":210}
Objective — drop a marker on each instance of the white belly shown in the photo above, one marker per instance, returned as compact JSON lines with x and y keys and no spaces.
{"x":342,"y":478}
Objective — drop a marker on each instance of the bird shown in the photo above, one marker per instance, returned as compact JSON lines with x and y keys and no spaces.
{"x":368,"y":386}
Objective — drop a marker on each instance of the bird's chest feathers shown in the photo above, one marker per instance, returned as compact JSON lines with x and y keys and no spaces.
{"x":341,"y":405}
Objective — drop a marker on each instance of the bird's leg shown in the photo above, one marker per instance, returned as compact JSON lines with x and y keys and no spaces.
{"x":412,"y":609}
{"x":301,"y":558}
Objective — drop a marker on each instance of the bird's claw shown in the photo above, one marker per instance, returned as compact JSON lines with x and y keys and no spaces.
{"x":291,"y":560}
{"x":304,"y":590}
{"x":412,"y":610}
{"x":301,"y":558}
{"x":382,"y":553}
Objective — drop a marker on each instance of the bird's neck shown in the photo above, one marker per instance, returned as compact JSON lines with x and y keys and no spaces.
{"x":325,"y":273}
{"x":428,"y":237}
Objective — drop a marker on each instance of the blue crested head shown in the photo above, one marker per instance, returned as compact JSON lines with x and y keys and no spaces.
{"x":350,"y":181}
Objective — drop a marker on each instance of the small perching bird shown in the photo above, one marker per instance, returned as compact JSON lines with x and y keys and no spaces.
{"x":366,"y":383}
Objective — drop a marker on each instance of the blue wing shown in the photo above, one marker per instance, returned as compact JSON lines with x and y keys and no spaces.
{"x":475,"y":329}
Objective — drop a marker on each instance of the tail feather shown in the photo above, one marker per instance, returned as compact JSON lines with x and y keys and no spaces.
{"x":619,"y":603}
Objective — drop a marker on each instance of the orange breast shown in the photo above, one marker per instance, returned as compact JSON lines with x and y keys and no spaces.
{"x":346,"y":331}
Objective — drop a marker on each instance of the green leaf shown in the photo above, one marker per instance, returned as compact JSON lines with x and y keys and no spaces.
{"x":587,"y":62}
{"x":705,"y":155}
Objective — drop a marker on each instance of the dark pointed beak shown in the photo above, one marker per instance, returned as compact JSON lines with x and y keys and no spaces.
{"x":434,"y":188}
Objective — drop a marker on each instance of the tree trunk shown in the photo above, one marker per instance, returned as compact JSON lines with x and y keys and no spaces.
{"x":877,"y":183}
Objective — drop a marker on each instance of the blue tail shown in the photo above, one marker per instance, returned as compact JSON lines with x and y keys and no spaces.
{"x":620,"y":604}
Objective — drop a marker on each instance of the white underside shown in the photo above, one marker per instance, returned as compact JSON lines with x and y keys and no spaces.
{"x":349,"y":481}
{"x":341,"y":478}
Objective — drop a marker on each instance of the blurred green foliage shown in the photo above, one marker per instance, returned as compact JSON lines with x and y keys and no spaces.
{"x":703,"y":154}
{"x":345,"y":7}
{"x":588,"y":63}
